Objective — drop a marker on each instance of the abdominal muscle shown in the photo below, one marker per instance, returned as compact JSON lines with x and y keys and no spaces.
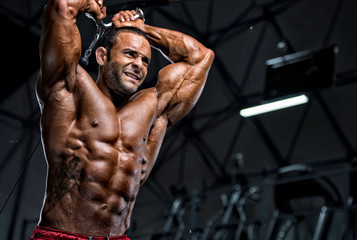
{"x":91,"y":197}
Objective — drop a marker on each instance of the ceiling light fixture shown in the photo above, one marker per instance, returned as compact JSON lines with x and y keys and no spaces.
{"x":273,"y":106}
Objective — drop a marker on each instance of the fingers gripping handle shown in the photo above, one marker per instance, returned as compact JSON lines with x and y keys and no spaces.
{"x":100,"y":24}
{"x":101,"y":27}
{"x":139,"y":15}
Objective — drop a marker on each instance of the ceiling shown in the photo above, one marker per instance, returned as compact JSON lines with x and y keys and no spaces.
{"x":213,"y":148}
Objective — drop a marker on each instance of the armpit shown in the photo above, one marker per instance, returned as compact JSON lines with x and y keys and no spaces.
{"x":61,"y":94}
{"x":61,"y":99}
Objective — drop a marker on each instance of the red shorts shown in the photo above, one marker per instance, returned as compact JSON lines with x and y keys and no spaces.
{"x":45,"y":233}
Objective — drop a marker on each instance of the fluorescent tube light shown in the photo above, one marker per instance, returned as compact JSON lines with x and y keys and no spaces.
{"x":272,"y":106}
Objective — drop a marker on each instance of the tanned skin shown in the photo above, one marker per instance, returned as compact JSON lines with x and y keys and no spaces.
{"x":101,"y":139}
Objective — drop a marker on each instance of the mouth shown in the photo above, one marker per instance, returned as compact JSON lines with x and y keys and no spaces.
{"x":133,"y":76}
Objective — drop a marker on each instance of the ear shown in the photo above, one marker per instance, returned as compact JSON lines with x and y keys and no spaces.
{"x":101,"y":56}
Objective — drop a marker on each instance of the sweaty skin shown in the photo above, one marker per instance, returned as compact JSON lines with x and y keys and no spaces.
{"x":101,"y":139}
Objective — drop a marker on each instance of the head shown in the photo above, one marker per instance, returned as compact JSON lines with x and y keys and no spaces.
{"x":124,"y":58}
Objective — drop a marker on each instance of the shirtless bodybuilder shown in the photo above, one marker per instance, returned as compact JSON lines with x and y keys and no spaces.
{"x":101,"y":139}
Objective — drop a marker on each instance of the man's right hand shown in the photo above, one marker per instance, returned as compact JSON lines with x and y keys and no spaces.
{"x":122,"y":18}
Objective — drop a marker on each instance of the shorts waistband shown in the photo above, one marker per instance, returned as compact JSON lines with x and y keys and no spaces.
{"x":47,"y":233}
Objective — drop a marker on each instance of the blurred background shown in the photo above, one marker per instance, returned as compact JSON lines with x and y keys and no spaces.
{"x":286,"y":174}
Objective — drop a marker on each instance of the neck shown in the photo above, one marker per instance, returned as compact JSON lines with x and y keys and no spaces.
{"x":118,"y":100}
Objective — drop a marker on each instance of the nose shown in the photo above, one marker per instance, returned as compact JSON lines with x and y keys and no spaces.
{"x":138,"y":63}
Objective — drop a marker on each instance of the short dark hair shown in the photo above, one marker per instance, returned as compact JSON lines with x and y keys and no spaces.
{"x":109,"y":38}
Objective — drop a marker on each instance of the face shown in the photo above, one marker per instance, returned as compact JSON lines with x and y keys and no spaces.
{"x":127,"y":68}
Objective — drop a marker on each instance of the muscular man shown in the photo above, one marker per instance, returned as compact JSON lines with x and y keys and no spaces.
{"x":101,"y":139}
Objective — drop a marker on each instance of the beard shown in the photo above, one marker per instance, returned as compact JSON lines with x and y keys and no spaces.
{"x":114,"y":81}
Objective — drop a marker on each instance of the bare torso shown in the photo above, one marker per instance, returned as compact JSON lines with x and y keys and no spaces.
{"x":98,"y":157}
{"x":101,"y":149}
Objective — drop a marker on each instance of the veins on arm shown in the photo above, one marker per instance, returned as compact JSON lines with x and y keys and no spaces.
{"x":179,"y":84}
{"x":60,"y":47}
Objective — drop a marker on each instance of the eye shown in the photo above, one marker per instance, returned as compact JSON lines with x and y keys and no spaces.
{"x":146,"y":60}
{"x":130,"y":53}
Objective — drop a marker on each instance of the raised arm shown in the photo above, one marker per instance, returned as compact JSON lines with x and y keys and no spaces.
{"x":179,"y":84}
{"x":60,"y":45}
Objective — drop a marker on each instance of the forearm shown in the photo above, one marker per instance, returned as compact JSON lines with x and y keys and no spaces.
{"x":177,"y":46}
{"x":179,"y":84}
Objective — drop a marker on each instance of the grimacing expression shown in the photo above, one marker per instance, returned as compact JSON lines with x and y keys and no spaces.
{"x":128,"y":63}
